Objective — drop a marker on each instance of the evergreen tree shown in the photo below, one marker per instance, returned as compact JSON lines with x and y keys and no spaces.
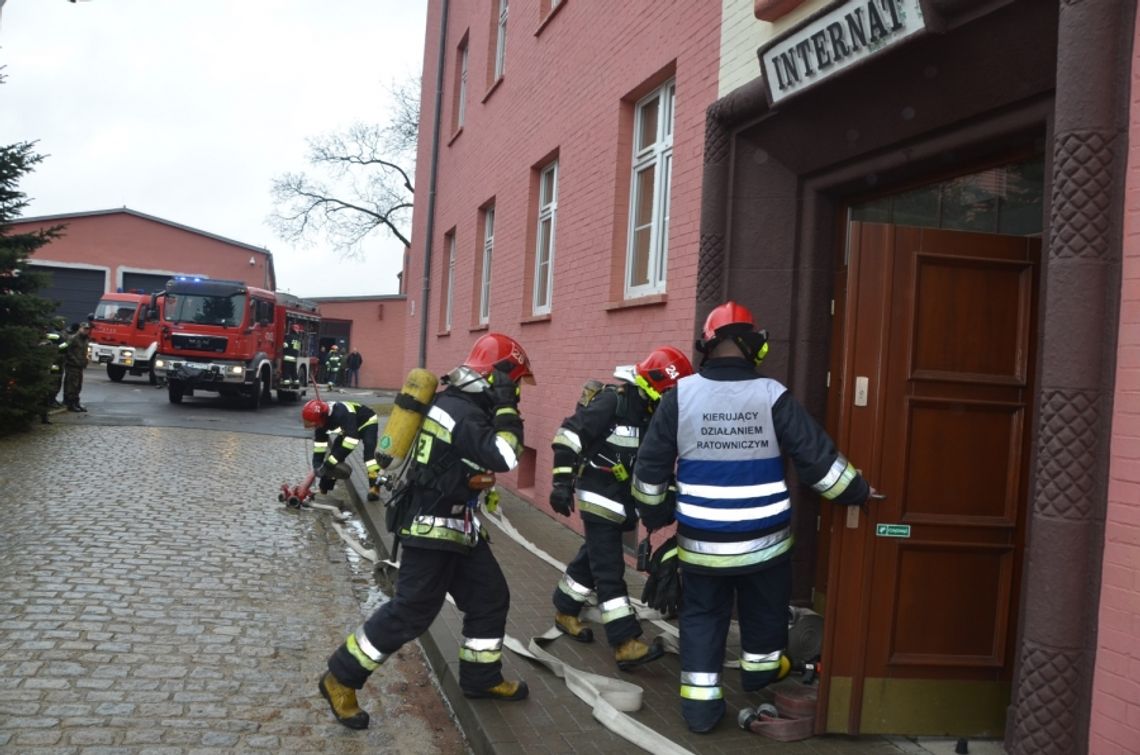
{"x":25,"y":363}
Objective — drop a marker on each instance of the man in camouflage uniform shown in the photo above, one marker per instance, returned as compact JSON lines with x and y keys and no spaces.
{"x":75,"y":362}
{"x":56,"y":344}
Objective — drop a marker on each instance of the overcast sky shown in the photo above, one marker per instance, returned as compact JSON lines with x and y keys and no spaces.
{"x":187,"y":110}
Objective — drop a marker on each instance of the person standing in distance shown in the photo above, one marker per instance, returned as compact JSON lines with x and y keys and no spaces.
{"x":472,"y":430}
{"x":332,"y":367}
{"x":352,"y":366}
{"x":724,"y":431}
{"x":75,"y":363}
{"x":594,"y":451}
{"x":290,"y":353}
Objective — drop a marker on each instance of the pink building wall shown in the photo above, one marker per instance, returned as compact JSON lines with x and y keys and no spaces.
{"x":571,"y":80}
{"x":378,"y":333}
{"x":1115,"y":724}
{"x":123,"y":241}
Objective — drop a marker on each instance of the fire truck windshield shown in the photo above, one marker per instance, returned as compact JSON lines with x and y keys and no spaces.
{"x":227,"y":311}
{"x":116,"y":311}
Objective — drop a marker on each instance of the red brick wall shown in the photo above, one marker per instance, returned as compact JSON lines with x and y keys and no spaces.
{"x":121,"y":241}
{"x":563,"y":90}
{"x":378,"y":326}
{"x":1115,"y":724}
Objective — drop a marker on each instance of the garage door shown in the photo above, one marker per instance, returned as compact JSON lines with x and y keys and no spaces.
{"x":144,"y":282}
{"x":75,"y":291}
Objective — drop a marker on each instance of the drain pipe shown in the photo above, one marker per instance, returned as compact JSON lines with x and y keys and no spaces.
{"x":426,"y":290}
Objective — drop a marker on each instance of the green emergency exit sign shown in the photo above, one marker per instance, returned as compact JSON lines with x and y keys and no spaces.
{"x":892,"y":530}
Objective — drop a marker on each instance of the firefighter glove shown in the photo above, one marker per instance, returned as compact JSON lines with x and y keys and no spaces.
{"x":562,"y":499}
{"x":504,"y":391}
{"x":491,"y":500}
{"x":663,"y":588}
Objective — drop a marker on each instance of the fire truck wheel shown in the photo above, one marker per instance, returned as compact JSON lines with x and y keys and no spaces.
{"x":116,"y":372}
{"x":175,"y":391}
{"x":253,"y":398}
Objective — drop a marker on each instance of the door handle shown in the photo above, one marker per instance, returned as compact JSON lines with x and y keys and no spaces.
{"x":853,"y":511}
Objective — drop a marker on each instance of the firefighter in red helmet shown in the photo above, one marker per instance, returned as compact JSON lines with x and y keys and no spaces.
{"x":472,"y":429}
{"x":594,"y":454}
{"x":723,"y":432}
{"x":352,"y":424}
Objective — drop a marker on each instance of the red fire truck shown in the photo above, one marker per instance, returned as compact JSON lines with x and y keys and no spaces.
{"x":225,"y":336}
{"x":124,"y":334}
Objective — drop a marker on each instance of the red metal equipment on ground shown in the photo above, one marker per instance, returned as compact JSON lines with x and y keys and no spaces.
{"x":296,"y":496}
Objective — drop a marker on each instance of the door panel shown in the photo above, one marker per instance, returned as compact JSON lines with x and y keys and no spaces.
{"x":941,"y":323}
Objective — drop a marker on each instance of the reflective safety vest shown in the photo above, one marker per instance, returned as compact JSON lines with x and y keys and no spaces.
{"x":733,"y":508}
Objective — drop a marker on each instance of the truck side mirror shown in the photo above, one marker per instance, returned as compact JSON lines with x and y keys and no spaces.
{"x":144,"y":312}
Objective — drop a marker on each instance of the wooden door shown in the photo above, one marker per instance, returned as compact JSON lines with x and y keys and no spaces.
{"x":935,"y":408}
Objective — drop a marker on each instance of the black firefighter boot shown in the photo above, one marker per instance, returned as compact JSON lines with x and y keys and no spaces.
{"x":633,"y":653}
{"x":342,"y":700}
{"x":504,"y":690}
{"x":373,"y":490}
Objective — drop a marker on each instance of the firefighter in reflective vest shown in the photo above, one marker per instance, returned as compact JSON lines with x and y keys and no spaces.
{"x":723,"y":430}
{"x":290,"y":352}
{"x":594,"y":454}
{"x":353,"y":424}
{"x":472,"y":430}
{"x":332,"y":366}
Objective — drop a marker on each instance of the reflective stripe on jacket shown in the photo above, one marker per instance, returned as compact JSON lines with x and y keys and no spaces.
{"x":459,"y":439}
{"x":598,"y":445}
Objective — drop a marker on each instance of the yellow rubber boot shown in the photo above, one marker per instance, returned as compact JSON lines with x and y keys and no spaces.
{"x":504,"y":690}
{"x":633,"y":653}
{"x":342,"y":700}
{"x":572,"y":626}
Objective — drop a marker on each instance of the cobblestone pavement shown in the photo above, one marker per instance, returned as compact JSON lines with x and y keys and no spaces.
{"x":155,"y":597}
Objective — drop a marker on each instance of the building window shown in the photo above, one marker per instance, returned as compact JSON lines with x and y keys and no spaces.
{"x":449,"y":244}
{"x":485,"y":273}
{"x":544,"y":238}
{"x":461,"y":86}
{"x":649,"y":193}
{"x":501,"y":41}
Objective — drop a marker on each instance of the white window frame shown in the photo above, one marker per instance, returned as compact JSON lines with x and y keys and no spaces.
{"x":488,"y":251}
{"x":462,"y":106}
{"x":501,"y":41}
{"x":659,"y":157}
{"x":450,"y":281}
{"x":544,"y":258}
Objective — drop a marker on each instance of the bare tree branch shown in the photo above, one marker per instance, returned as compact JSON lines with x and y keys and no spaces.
{"x":362,"y":181}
